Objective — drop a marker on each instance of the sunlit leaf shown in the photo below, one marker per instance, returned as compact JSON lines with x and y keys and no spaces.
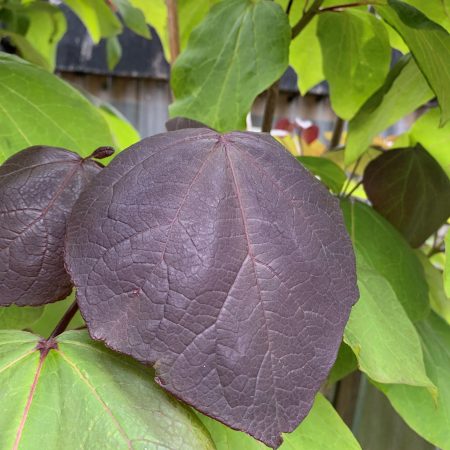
{"x":230,"y":58}
{"x":356,"y":56}
{"x":404,"y":90}
{"x":329,"y":173}
{"x":73,"y":380}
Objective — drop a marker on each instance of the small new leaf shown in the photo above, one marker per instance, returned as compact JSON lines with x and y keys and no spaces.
{"x":220,"y":260}
{"x":410,"y":189}
{"x":38,"y":187}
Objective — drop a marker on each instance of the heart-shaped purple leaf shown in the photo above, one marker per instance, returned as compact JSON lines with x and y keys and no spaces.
{"x":223,"y":262}
{"x":38,"y":187}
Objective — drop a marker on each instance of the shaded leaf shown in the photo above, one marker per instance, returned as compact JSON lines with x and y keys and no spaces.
{"x":15,"y":317}
{"x":386,"y":252}
{"x":230,"y":58}
{"x":426,"y":415}
{"x":38,"y":187}
{"x":435,"y":139}
{"x":113,"y":52}
{"x":75,"y":380}
{"x":180,"y":123}
{"x":345,"y":364}
{"x":322,"y":429}
{"x":381,"y":334}
{"x":404,"y":90}
{"x":305,"y":56}
{"x":356,"y":56}
{"x":409,"y":188}
{"x":438,"y":299}
{"x":221,"y":256}
{"x":429,"y":44}
{"x":98,"y":18}
{"x":447,"y":265}
{"x":37,"y":108}
{"x":329,"y":172}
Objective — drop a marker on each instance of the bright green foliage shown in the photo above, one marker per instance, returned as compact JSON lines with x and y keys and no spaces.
{"x":231,"y":57}
{"x":356,"y":57}
{"x":427,"y":416}
{"x":85,"y":395}
{"x":436,"y":10}
{"x":435,"y":139}
{"x":381,"y":334}
{"x":133,"y":17}
{"x":438,"y":299}
{"x":404,"y":90}
{"x":56,"y":115}
{"x":35,"y":29}
{"x":322,"y":429}
{"x":124,"y":134}
{"x":387,"y":253}
{"x":329,"y":172}
{"x":430,"y":45}
{"x":98,"y":18}
{"x":15,"y":317}
{"x":305,"y":56}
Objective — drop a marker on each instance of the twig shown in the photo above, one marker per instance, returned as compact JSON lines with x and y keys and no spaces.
{"x":289,"y":6}
{"x":353,"y":189}
{"x":347,"y":5}
{"x":337,"y":133}
{"x":174,"y":33}
{"x":347,"y":183}
{"x":65,"y":320}
{"x":273,"y":91}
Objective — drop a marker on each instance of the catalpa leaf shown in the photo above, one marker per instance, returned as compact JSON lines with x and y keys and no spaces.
{"x":223,"y":262}
{"x":38,"y":187}
{"x":411,"y":190}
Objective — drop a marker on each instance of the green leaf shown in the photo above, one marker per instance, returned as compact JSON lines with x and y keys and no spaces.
{"x":345,"y":364}
{"x":124,"y":134}
{"x":97,"y":17}
{"x":113,"y":52}
{"x":404,"y":90}
{"x":356,"y":56}
{"x":409,"y":188}
{"x":435,"y":139}
{"x":16,"y":317}
{"x":447,"y":265}
{"x":230,"y":58}
{"x":305,"y":57}
{"x":386,"y":252}
{"x":322,"y":429}
{"x":438,"y":299}
{"x":37,"y":108}
{"x":133,"y":17}
{"x":329,"y":172}
{"x":429,"y":44}
{"x":427,"y":416}
{"x":382,"y":336}
{"x":436,"y":10}
{"x":110,"y":398}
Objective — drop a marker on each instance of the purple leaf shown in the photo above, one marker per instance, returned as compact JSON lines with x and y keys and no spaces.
{"x":38,"y":187}
{"x":410,"y":189}
{"x":180,"y":123}
{"x":223,"y":262}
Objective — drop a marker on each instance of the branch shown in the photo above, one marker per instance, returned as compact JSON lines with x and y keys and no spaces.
{"x":306,"y":18}
{"x":348,"y":5}
{"x":337,"y":133}
{"x":65,"y":320}
{"x":174,"y":33}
